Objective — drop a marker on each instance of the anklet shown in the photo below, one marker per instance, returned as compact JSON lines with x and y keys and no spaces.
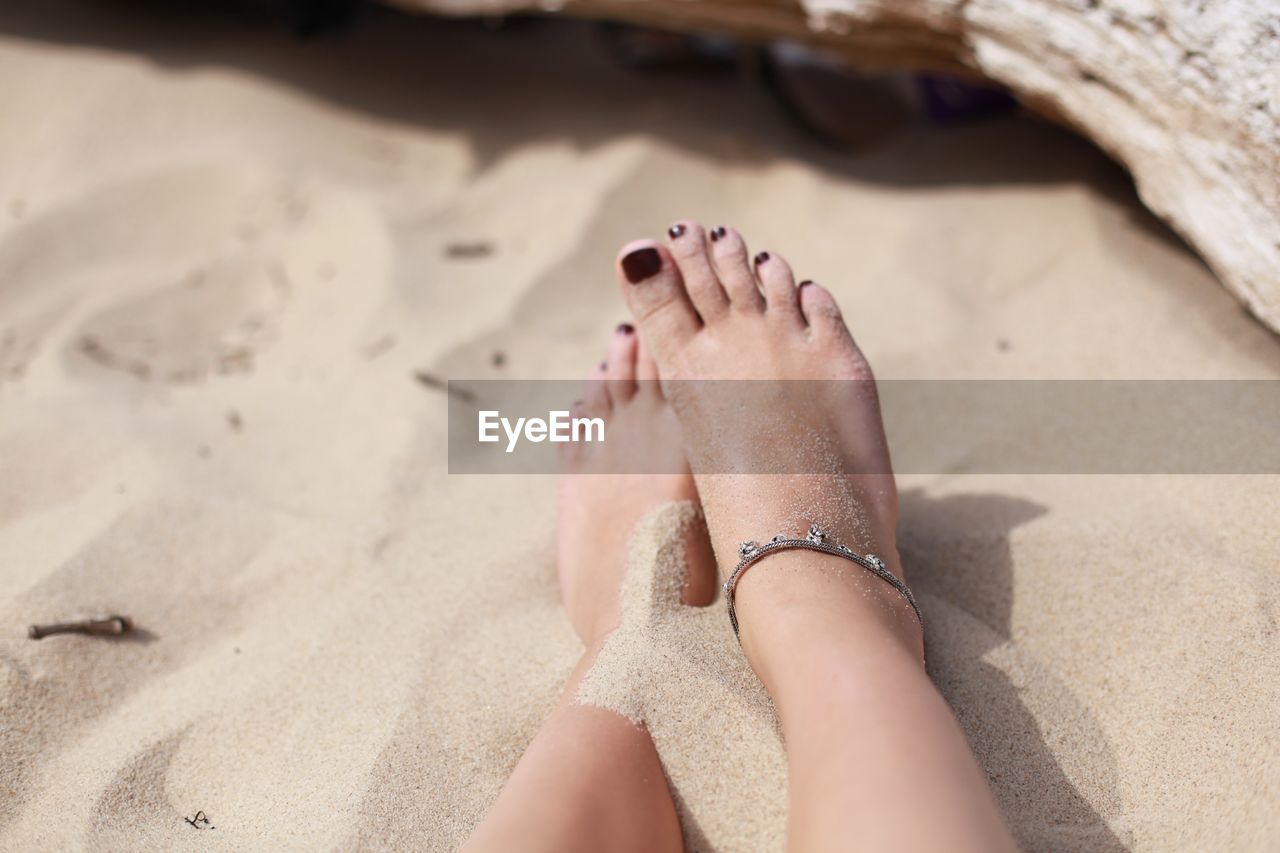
{"x":750,"y":552}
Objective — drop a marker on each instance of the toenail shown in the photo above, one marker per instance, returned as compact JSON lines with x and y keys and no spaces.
{"x":641,"y":264}
{"x":625,"y":328}
{"x":717,"y":232}
{"x":676,"y":230}
{"x":804,"y":283}
{"x":604,"y":365}
{"x":762,"y":257}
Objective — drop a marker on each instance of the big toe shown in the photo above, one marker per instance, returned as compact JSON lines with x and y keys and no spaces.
{"x":654,"y":291}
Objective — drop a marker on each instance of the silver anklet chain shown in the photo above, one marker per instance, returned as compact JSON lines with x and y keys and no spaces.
{"x":750,"y":552}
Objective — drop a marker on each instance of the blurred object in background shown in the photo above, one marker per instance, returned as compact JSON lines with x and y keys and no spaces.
{"x":834,"y":102}
{"x":650,"y":49}
{"x":857,"y":109}
{"x":821,"y":92}
{"x":313,"y":17}
{"x":942,"y":99}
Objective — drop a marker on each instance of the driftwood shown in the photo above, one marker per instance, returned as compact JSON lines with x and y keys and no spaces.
{"x":1184,"y":93}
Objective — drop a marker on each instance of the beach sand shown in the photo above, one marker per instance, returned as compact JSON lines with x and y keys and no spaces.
{"x":227,"y":261}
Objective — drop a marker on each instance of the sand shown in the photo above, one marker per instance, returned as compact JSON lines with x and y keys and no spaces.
{"x":224,"y":257}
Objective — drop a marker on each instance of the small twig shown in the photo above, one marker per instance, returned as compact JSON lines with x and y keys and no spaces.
{"x":469,"y":251}
{"x":102,"y":626}
{"x":432,"y":381}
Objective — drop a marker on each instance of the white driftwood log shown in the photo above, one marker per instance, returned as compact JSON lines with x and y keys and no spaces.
{"x":1184,"y":93}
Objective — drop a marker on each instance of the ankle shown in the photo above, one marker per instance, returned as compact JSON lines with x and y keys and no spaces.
{"x":797,"y":608}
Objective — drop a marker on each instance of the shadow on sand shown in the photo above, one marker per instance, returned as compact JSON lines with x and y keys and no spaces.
{"x":957,"y":551}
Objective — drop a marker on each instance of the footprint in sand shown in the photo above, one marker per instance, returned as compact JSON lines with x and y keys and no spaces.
{"x":213,"y":322}
{"x":183,"y":274}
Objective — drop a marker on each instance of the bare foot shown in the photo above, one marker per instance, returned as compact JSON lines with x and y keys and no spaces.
{"x":598,"y":507}
{"x":711,"y":312}
{"x":592,"y":779}
{"x":875,"y":759}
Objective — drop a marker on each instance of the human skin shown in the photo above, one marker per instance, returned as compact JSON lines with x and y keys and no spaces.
{"x":591,"y":779}
{"x":876,"y":761}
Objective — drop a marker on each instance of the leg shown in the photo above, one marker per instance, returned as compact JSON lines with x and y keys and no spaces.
{"x":876,"y":759}
{"x":591,"y":780}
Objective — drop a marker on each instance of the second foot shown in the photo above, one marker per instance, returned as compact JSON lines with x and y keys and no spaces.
{"x":598,"y":506}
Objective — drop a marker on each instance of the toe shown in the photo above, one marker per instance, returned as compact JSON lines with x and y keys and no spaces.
{"x":654,"y":291}
{"x":779,"y":288}
{"x":689,"y":248}
{"x":729,"y":253}
{"x":821,"y":312}
{"x":595,"y":397}
{"x":620,"y":367}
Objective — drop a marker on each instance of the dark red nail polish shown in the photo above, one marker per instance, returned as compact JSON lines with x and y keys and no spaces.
{"x":804,"y":283}
{"x":761,"y":258}
{"x":676,"y":230}
{"x":625,"y":328}
{"x":641,"y":264}
{"x":604,"y":365}
{"x":717,"y":232}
